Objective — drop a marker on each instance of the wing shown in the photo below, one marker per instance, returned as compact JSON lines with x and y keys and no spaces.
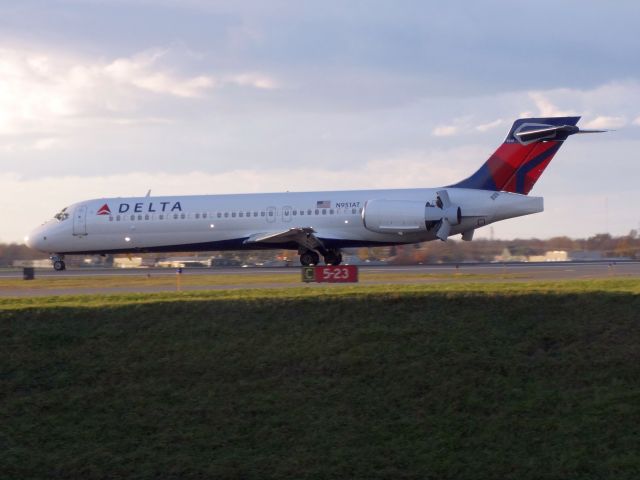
{"x":303,"y":236}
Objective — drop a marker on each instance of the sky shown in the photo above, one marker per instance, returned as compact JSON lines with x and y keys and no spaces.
{"x":113,"y":98}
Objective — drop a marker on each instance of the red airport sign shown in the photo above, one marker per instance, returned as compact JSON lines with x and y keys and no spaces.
{"x":330,"y":274}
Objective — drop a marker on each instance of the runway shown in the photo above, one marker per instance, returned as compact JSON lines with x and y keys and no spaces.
{"x":569,"y":269}
{"x":149,"y":280}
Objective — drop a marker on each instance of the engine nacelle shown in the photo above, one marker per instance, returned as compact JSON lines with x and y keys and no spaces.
{"x":405,"y":216}
{"x":434,"y":214}
{"x":386,"y":216}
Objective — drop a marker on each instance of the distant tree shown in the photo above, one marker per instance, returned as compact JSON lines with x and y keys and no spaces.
{"x":560,"y":243}
{"x":13,"y":251}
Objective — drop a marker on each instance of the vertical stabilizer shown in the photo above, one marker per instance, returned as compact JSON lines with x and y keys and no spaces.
{"x":519,"y":162}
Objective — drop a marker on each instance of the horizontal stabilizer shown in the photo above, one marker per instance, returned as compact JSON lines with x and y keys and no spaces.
{"x":550,"y":133}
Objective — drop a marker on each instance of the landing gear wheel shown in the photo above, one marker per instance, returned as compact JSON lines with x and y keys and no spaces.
{"x":333,"y":258}
{"x":59,"y":265}
{"x":309,"y":258}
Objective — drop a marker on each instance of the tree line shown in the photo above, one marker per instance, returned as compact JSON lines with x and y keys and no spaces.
{"x":626,"y":246}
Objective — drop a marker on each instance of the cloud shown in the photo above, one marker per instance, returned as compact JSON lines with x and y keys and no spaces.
{"x":255,"y":80}
{"x":142,"y":71}
{"x":546,"y":108}
{"x":48,"y":143}
{"x":606,"y":122}
{"x":607,"y":106}
{"x":444,"y":131}
{"x":464,"y":125}
{"x":488,"y":126}
{"x":43,"y":91}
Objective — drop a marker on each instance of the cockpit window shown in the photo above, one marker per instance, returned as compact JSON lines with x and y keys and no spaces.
{"x":62,"y":215}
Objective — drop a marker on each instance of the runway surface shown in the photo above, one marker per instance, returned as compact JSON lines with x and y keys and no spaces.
{"x":88,"y":280}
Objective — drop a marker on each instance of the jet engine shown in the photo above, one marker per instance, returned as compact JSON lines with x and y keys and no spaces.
{"x":405,"y":216}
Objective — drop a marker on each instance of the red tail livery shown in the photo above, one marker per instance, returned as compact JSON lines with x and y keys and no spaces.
{"x":519,"y":162}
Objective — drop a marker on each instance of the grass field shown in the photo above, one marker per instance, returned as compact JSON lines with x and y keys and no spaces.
{"x":252,"y":278}
{"x":507,"y":381}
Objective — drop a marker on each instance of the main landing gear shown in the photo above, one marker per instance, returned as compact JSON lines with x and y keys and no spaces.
{"x":333,"y":257}
{"x":310,"y":257}
{"x":58,"y":262}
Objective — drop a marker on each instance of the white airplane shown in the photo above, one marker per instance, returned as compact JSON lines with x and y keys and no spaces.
{"x":314,"y":223}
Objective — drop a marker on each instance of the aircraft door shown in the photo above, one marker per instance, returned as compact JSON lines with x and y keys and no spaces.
{"x":271,"y":214}
{"x":80,"y":220}
{"x":286,"y":214}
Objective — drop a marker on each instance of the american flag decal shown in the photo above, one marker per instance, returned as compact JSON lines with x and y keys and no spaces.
{"x":323,"y":204}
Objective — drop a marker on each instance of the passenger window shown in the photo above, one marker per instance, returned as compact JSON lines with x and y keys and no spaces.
{"x":146,"y":217}
{"x":139,"y":217}
{"x":197,"y":215}
{"x":255,"y":214}
{"x":233,"y":214}
{"x":271,"y":213}
{"x":301,"y":212}
{"x":241,"y":214}
{"x":248,"y":214}
{"x":324,"y":211}
{"x":161,"y":217}
{"x":175,"y":216}
{"x":133,"y":217}
{"x":183,"y":216}
{"x":204,"y":215}
{"x":295,"y":212}
{"x":317,"y":212}
{"x":262,"y":214}
{"x":118,"y":218}
{"x":353,"y":210}
{"x":331,"y":212}
{"x":226,"y":214}
{"x":309,"y":212}
{"x":219,"y":215}
{"x":286,"y":213}
{"x":111,"y":219}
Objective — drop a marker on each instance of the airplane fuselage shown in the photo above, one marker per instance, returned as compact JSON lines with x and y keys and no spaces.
{"x":227,"y":222}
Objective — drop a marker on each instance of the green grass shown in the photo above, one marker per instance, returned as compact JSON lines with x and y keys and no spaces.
{"x":538,"y":380}
{"x":248,"y":279}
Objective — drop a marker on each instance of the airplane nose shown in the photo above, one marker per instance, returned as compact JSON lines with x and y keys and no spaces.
{"x":36,"y":239}
{"x":31,"y":240}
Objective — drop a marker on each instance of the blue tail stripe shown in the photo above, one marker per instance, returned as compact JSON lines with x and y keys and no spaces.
{"x":481,"y":180}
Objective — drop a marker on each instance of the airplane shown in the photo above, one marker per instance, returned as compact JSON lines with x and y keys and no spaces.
{"x":314,"y":223}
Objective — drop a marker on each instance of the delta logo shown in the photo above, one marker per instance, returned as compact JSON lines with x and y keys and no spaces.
{"x":104,"y":210}
{"x":142,"y":208}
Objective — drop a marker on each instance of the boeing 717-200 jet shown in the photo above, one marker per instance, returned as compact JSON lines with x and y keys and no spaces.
{"x":314,"y":223}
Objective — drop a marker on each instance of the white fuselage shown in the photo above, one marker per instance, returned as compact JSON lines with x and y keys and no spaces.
{"x":219,"y":222}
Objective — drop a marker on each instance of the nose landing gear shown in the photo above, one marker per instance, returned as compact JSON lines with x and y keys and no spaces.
{"x":58,"y":262}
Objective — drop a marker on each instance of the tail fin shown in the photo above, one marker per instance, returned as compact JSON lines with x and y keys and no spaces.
{"x":518,"y":163}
